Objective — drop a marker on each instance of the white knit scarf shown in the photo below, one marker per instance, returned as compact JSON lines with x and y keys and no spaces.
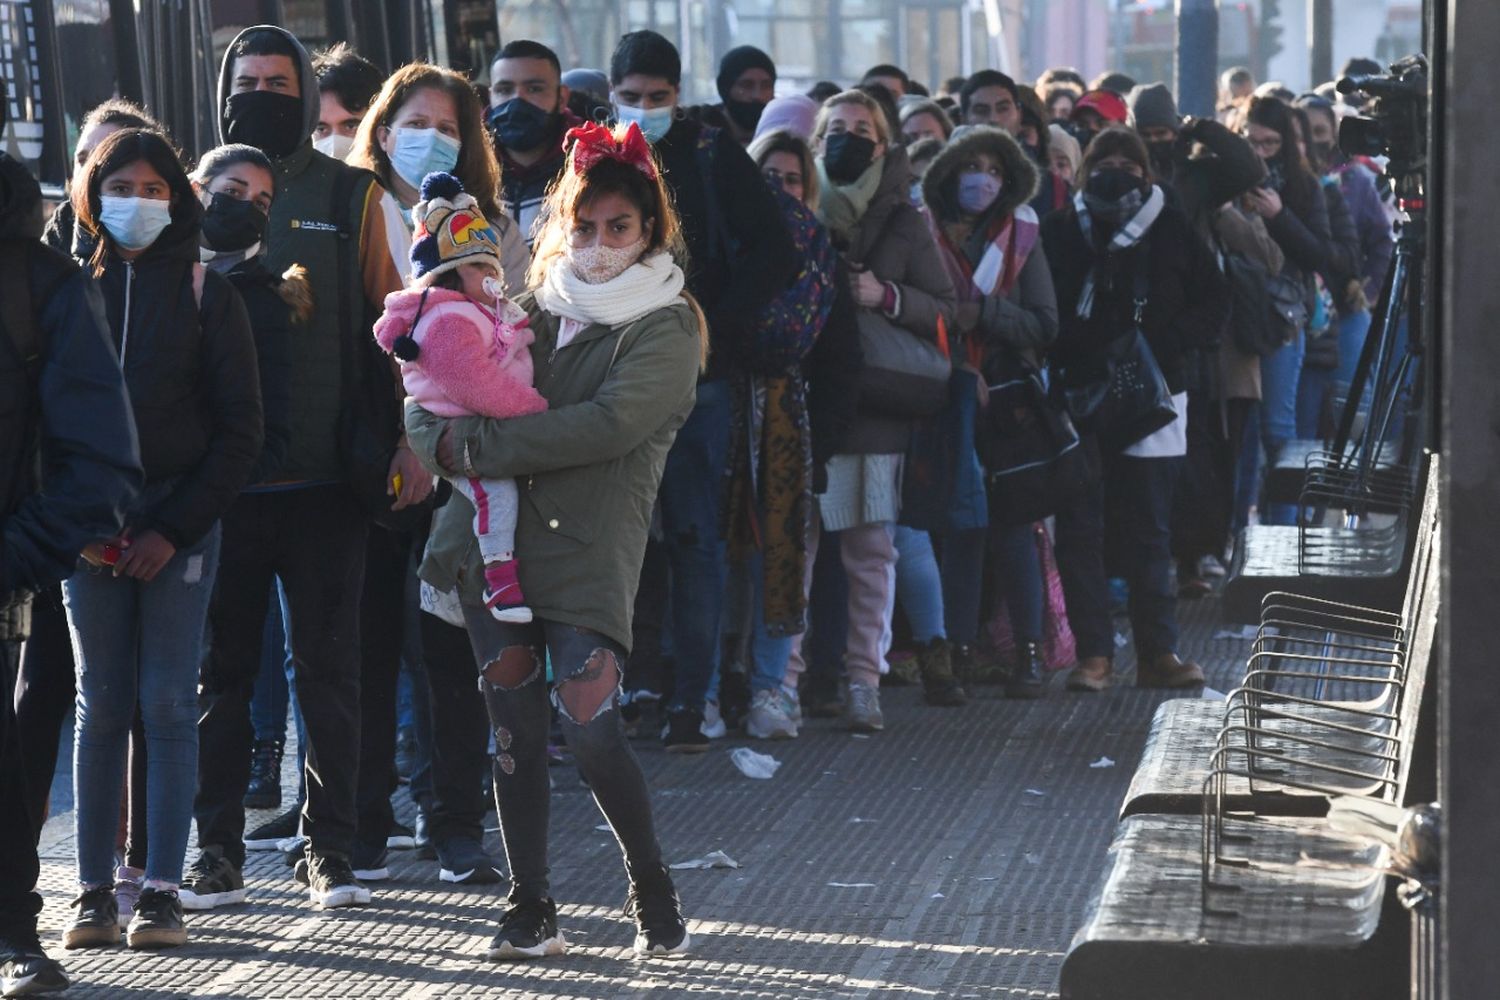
{"x":642,"y":288}
{"x":1128,"y":236}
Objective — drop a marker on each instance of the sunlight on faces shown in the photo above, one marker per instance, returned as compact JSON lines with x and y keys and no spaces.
{"x":787,"y":168}
{"x":243,"y":182}
{"x":922,"y":126}
{"x":610,"y":220}
{"x":994,"y":106}
{"x":277,"y":74}
{"x":427,"y":107}
{"x":334,"y":118}
{"x":90,"y":140}
{"x":533,"y":80}
{"x":473,"y":275}
{"x":856,"y":118}
{"x":637,"y":90}
{"x":136,"y":180}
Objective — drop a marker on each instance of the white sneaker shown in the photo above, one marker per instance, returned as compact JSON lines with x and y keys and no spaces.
{"x":793,"y":705}
{"x":769,"y":718}
{"x":713,"y":723}
{"x":1211,"y":566}
{"x":862,"y":712}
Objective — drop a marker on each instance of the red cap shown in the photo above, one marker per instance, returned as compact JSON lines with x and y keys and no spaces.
{"x":1106,"y":103}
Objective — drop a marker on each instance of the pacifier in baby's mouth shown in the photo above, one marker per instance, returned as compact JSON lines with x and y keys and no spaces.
{"x":493,"y":287}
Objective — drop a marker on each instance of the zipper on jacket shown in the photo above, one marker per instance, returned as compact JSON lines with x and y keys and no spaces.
{"x":125,"y":331}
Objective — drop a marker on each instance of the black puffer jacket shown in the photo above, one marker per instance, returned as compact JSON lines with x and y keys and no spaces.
{"x":191,"y":373}
{"x":1187,"y":301}
{"x":74,"y":412}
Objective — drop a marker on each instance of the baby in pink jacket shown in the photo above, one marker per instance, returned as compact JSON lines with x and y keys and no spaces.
{"x":464,"y":351}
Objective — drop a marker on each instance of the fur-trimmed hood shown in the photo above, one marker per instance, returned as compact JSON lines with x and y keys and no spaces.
{"x":1018,"y":185}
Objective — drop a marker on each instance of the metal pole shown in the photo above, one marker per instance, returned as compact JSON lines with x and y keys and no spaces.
{"x":1320,"y":39}
{"x":1197,"y":57}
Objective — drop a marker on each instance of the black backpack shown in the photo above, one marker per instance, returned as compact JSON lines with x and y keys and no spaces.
{"x":1266,"y":310}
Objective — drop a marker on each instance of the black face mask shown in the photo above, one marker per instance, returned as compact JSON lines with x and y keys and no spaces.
{"x":272,"y":123}
{"x":847,"y":156}
{"x":232,"y":224}
{"x":520,"y":126}
{"x":745,"y":114}
{"x":1113,"y":195}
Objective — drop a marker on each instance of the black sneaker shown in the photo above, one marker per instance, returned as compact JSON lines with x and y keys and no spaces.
{"x":463,"y":861}
{"x":272,"y":832}
{"x":26,"y":971}
{"x":157,"y":922}
{"x":213,"y":880}
{"x":660,"y":930}
{"x":528,"y":929}
{"x":264,"y":790}
{"x":98,"y":922}
{"x":683,"y":732}
{"x":331,"y":882}
{"x":370,"y":865}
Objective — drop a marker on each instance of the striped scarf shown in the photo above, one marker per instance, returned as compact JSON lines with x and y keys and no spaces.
{"x":1128,"y":236}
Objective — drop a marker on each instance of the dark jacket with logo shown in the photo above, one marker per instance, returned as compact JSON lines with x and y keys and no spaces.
{"x":303,"y":230}
{"x":739,"y":252}
{"x":69,"y":465}
{"x":191,"y":371}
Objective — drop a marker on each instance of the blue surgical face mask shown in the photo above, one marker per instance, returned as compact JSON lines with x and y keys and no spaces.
{"x":977,"y":191}
{"x":134,"y":223}
{"x":654,"y":122}
{"x":423,"y":151}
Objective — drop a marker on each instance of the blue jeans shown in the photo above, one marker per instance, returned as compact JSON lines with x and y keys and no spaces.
{"x":691,"y":488}
{"x":919,"y":586}
{"x":273,"y":692}
{"x":1279,"y":375}
{"x":138,"y":642}
{"x":962,"y":569}
{"x":768,"y":654}
{"x":1018,"y":578}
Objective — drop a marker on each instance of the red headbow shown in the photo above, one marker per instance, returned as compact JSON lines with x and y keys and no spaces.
{"x":591,"y":142}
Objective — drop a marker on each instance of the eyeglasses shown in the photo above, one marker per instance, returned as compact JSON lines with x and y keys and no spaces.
{"x":1265,"y":147}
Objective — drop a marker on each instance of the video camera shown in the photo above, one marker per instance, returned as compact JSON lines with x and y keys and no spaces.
{"x":1397,"y":123}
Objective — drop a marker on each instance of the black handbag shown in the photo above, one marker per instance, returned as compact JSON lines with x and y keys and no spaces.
{"x":1034,"y":459}
{"x":1124,"y":397}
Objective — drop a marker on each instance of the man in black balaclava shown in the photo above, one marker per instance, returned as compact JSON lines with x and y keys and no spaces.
{"x":746,"y":82}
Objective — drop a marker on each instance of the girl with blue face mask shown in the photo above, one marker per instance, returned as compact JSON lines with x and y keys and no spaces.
{"x":426,"y":120}
{"x":138,"y":602}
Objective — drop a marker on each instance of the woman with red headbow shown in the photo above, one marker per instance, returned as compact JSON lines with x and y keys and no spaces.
{"x":618,"y":348}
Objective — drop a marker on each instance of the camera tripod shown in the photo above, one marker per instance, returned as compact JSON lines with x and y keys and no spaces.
{"x":1385,"y":368}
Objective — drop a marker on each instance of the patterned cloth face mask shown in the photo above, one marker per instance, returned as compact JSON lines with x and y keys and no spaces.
{"x":597,"y":264}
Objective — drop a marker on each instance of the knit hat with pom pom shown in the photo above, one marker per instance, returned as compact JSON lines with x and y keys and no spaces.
{"x":451,"y":230}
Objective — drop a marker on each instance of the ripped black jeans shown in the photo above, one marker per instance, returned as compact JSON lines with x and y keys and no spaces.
{"x":513,"y":677}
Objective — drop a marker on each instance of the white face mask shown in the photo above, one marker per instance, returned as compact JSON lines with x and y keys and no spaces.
{"x":423,"y":151}
{"x":134,"y":223}
{"x":335,"y":144}
{"x":597,"y":264}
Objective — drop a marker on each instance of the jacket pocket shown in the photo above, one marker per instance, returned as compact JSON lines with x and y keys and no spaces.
{"x":561,"y":508}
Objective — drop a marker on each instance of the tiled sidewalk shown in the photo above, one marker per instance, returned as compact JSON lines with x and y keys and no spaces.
{"x":969,"y":841}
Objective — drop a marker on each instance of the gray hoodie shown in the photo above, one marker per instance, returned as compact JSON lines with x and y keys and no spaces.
{"x":311,"y":101}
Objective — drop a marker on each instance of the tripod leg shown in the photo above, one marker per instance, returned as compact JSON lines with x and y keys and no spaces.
{"x":1387,"y":312}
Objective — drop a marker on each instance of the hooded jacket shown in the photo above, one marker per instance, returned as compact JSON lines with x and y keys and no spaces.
{"x":303,"y":231}
{"x":1025,"y":319}
{"x":192,"y":373}
{"x":523,"y":187}
{"x":69,"y":409}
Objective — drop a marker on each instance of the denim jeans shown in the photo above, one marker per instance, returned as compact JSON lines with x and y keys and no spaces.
{"x":962,"y":570}
{"x":1279,"y":376}
{"x":919,"y":586}
{"x":1018,"y":578}
{"x":138,"y":642}
{"x":769,"y":654}
{"x":691,"y":490}
{"x":512,"y":676}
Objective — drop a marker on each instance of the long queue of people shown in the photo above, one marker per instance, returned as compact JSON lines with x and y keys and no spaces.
{"x":715,"y":416}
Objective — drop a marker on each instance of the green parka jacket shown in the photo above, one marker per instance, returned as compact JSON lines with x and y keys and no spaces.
{"x":588,"y":468}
